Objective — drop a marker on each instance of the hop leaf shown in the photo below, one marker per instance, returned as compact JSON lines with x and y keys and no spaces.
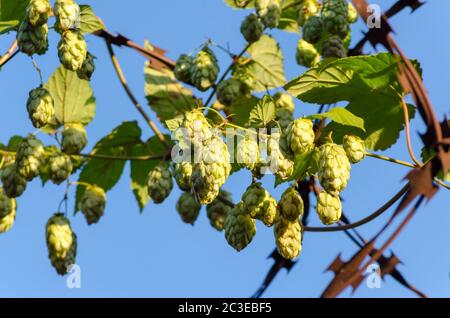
{"x":259,"y":204}
{"x":61,"y":243}
{"x":355,"y":148}
{"x":32,"y":40}
{"x":159,"y":183}
{"x":239,"y":227}
{"x":40,"y":106}
{"x":13,"y":183}
{"x":288,"y":237}
{"x":72,"y":50}
{"x":92,"y":204}
{"x":218,"y":210}
{"x":204,"y":69}
{"x":7,"y":211}
{"x":334,"y":168}
{"x":188,"y":208}
{"x":252,"y":28}
{"x":329,"y":208}
{"x":291,"y":205}
{"x":74,"y":139}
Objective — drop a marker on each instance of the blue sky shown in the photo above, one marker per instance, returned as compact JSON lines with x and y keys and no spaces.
{"x":154,"y":254}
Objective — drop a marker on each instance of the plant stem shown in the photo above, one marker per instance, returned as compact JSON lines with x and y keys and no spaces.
{"x":12,"y":51}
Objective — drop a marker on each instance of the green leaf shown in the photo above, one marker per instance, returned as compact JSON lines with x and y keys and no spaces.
{"x":141,"y":169}
{"x":89,"y":22}
{"x":165,"y":95}
{"x":239,"y":112}
{"x":302,"y":164}
{"x":11,"y":13}
{"x":74,"y":98}
{"x":240,"y":4}
{"x":265,"y":64}
{"x":341,"y":116}
{"x":263,"y":113}
{"x":105,"y":173}
{"x":426,"y":155}
{"x":288,"y":20}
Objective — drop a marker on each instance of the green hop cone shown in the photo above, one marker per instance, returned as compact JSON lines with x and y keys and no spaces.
{"x":284,"y":109}
{"x":352,"y":15}
{"x":195,"y":129}
{"x":7,"y":212}
{"x":313,"y":30}
{"x":252,"y":28}
{"x":288,"y":237}
{"x":182,"y":172}
{"x":259,"y":204}
{"x":291,"y":204}
{"x":183,"y":68}
{"x":218,"y":210}
{"x":29,"y":156}
{"x":269,"y":11}
{"x":88,"y":68}
{"x":159,"y":183}
{"x":214,"y":168}
{"x":300,"y":136}
{"x":346,"y":41}
{"x":40,"y":106}
{"x":188,"y":208}
{"x":334,"y":168}
{"x":355,"y":148}
{"x":239,"y":227}
{"x":229,"y":90}
{"x":306,"y":55}
{"x":204,"y":69}
{"x":61,"y":243}
{"x":67,"y":13}
{"x":281,"y":160}
{"x":74,"y":139}
{"x":329,"y":208}
{"x":72,"y":50}
{"x":248,"y":153}
{"x":32,"y":40}
{"x":333,"y":47}
{"x":306,"y":10}
{"x":37,"y":12}
{"x":92,"y":204}
{"x":14,"y":184}
{"x":60,"y":167}
{"x":334,"y":16}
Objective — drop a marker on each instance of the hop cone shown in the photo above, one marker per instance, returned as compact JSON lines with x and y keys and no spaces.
{"x":37,"y":12}
{"x":32,"y":40}
{"x":195,"y":129}
{"x":288,"y":237}
{"x":284,"y":109}
{"x":334,"y":16}
{"x":88,"y":68}
{"x":188,"y":208}
{"x":204,"y":69}
{"x":40,"y":106}
{"x":307,"y":55}
{"x":228,"y":91}
{"x":352,"y":15}
{"x":183,"y":68}
{"x":313,"y":30}
{"x":239,"y":227}
{"x":333,"y":47}
{"x":60,"y":167}
{"x":334,"y":168}
{"x":291,"y":205}
{"x":248,"y":153}
{"x":72,"y":50}
{"x":182,"y":172}
{"x":329,"y":208}
{"x":92,"y":204}
{"x":355,"y":148}
{"x":29,"y":157}
{"x":252,"y":28}
{"x":281,"y":161}
{"x":212,"y":171}
{"x":300,"y":136}
{"x":14,"y":184}
{"x":74,"y":139}
{"x":306,"y":10}
{"x":159,"y":183}
{"x":67,"y":14}
{"x":61,"y":243}
{"x":7,"y":212}
{"x":259,"y":204}
{"x":269,"y":12}
{"x":218,"y":210}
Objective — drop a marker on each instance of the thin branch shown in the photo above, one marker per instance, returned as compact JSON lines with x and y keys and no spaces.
{"x":133,"y":99}
{"x":408,"y":133}
{"x":125,"y":158}
{"x":12,"y":51}
{"x":389,"y":159}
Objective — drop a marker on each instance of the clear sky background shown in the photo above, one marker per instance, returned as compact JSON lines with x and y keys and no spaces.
{"x":154,"y":254}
